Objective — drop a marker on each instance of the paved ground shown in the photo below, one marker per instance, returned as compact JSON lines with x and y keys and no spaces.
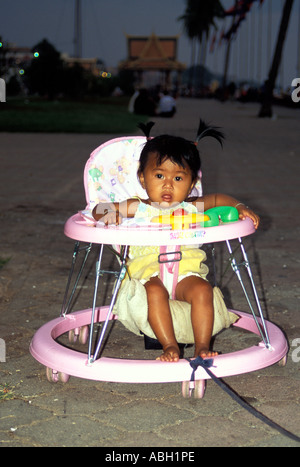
{"x":41,"y":186}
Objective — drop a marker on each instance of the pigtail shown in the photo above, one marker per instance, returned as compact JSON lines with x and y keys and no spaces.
{"x":205,"y":130}
{"x":146,"y":128}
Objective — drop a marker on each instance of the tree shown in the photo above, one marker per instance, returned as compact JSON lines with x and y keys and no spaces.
{"x":2,"y":57}
{"x":75,"y":81}
{"x":266,"y":107}
{"x":45,"y":73}
{"x":228,"y":48}
{"x":198,"y":18}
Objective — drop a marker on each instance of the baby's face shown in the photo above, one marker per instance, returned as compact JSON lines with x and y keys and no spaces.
{"x":166,"y":184}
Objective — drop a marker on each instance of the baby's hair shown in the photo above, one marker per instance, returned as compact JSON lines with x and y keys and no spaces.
{"x":205,"y":130}
{"x":179,"y":150}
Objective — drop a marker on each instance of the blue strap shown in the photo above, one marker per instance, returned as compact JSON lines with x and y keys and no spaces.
{"x":199,"y":361}
{"x":208,"y":363}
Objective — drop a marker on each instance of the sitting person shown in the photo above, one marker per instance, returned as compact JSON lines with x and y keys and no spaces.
{"x":167,"y":105}
{"x":144,"y":104}
{"x":168,"y":171}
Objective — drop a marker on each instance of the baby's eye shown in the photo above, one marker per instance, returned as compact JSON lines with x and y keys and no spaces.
{"x":160,"y":176}
{"x":178,"y":179}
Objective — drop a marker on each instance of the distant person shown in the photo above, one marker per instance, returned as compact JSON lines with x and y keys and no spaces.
{"x":132,"y":102}
{"x":167,"y":105}
{"x":144,"y":104}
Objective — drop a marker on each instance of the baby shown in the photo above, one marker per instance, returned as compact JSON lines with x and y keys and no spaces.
{"x":168,"y":171}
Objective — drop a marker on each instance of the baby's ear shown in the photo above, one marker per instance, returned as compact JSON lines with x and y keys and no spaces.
{"x":193,"y":185}
{"x":141,"y":178}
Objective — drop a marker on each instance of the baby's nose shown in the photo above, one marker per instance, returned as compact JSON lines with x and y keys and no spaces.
{"x":168,"y":182}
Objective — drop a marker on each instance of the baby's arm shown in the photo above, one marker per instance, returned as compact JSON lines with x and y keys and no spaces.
{"x":219,"y":199}
{"x":113,"y":213}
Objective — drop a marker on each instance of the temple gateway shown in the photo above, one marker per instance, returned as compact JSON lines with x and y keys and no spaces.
{"x":153,"y":58}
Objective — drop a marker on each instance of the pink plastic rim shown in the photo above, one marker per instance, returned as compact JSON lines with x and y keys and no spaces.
{"x":79,"y":229}
{"x":51,"y":354}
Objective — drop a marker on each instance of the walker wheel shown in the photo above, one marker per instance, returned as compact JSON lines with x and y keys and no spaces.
{"x":73,"y":335}
{"x":199,"y":390}
{"x":196,"y":389}
{"x":81,"y":334}
{"x":186,"y":390}
{"x":84,"y":334}
{"x":54,"y":376}
{"x":283,"y":361}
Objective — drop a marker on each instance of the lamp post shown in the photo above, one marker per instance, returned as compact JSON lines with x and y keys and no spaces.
{"x":77,"y":30}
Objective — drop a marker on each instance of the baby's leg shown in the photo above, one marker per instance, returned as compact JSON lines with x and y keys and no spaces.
{"x":199,"y":294}
{"x":160,"y":320}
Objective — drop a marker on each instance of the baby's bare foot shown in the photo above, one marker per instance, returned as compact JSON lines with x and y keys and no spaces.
{"x":205,"y":353}
{"x":171,"y":354}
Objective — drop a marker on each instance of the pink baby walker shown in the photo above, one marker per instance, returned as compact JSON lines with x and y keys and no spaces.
{"x":110,"y":175}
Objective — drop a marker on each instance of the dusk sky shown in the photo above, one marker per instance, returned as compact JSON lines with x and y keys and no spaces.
{"x":105,"y":24}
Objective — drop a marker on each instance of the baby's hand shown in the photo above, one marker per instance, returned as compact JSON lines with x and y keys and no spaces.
{"x":244,"y":212}
{"x":112,"y":217}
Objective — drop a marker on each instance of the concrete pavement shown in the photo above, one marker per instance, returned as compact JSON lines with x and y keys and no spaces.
{"x":41,"y":186}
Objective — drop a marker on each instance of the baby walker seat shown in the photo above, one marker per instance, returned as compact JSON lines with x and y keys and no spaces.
{"x":110,"y":174}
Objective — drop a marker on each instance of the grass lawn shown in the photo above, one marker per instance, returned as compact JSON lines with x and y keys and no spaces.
{"x":107,"y":115}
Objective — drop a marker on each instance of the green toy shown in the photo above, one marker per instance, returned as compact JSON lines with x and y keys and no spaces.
{"x":221,"y":213}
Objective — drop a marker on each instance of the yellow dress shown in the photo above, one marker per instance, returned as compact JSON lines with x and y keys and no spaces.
{"x":143,"y":260}
{"x":131,"y":305}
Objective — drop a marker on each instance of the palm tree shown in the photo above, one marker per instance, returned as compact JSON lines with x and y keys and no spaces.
{"x":190,"y":29}
{"x":266,"y":107}
{"x":198,"y":18}
{"x":227,"y":55}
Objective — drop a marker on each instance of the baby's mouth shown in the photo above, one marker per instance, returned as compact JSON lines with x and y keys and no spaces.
{"x":167,"y":198}
{"x":165,"y":203}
